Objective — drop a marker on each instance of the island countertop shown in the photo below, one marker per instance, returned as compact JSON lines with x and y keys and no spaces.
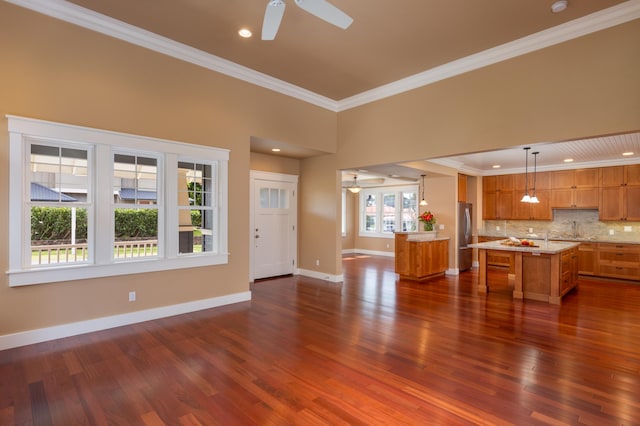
{"x":550,"y":247}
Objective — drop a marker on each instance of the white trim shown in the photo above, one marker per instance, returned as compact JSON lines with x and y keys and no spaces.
{"x":321,"y":275}
{"x":72,"y":13}
{"x":101,"y":263}
{"x":30,"y":337}
{"x":371,"y":252}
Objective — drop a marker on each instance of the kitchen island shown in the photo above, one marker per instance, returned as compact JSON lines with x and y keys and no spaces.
{"x":421,"y":255}
{"x":545,"y":271}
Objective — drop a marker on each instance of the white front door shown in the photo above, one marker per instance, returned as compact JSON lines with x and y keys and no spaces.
{"x":274,"y":230}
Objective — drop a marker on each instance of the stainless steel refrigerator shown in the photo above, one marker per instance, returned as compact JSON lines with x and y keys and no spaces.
{"x":465,"y":260}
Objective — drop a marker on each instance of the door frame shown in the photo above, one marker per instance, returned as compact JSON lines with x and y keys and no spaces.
{"x":275,"y":177}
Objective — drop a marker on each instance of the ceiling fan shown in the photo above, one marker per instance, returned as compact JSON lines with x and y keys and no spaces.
{"x":319,"y":8}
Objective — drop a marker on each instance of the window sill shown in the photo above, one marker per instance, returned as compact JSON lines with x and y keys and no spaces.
{"x":85,"y":271}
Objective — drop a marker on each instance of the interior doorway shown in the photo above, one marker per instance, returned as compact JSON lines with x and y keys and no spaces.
{"x":273,"y":224}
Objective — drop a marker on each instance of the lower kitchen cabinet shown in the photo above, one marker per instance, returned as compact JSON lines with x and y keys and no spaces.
{"x":619,"y":260}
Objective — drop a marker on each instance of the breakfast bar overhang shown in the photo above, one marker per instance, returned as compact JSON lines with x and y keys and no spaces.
{"x":545,"y":271}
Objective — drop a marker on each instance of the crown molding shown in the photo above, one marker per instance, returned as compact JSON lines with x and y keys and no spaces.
{"x":94,"y":21}
{"x":606,"y":18}
{"x":74,"y":14}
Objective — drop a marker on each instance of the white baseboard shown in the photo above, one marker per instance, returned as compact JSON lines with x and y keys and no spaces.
{"x":370,"y":252}
{"x":321,"y":275}
{"x":72,"y":329}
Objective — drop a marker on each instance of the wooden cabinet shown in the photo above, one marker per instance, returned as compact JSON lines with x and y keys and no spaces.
{"x":574,"y":188}
{"x":588,"y":259}
{"x":620,"y":193}
{"x":500,"y":259}
{"x":462,"y":187}
{"x":529,"y":211}
{"x":619,"y":260}
{"x":569,"y":264}
{"x":420,"y":260}
{"x":498,"y":197}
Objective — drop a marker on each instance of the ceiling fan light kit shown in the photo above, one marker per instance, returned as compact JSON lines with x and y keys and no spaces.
{"x":318,"y":8}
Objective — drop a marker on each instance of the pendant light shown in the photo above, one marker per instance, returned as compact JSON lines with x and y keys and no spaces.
{"x":423,"y":202}
{"x":534,"y":199}
{"x":355,"y":188}
{"x":526,"y":198}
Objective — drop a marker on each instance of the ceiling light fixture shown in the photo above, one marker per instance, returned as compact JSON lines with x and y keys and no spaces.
{"x":628,"y":153}
{"x":496,"y":166}
{"x":526,"y":198}
{"x":245,"y":32}
{"x":423,"y":202}
{"x":275,"y":149}
{"x":559,"y":6}
{"x":568,"y":160}
{"x":355,"y":188}
{"x":534,"y":199}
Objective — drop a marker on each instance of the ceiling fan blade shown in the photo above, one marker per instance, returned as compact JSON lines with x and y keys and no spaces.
{"x":326,"y":12}
{"x":272,"y":18}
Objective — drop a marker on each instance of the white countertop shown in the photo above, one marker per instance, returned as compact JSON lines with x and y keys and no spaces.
{"x":550,"y":247}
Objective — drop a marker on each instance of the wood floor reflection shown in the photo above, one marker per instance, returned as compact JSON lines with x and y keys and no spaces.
{"x":371,"y":350}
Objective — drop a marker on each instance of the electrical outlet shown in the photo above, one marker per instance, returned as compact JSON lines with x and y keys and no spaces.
{"x":317,"y":262}
{"x":441,"y":226}
{"x":627,"y":229}
{"x":387,"y":245}
{"x":611,"y":232}
{"x":497,"y":228}
{"x":132,"y":296}
{"x":531,"y":230}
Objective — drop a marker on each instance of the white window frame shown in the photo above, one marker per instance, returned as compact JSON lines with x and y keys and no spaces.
{"x":103,"y":143}
{"x":379,"y":192}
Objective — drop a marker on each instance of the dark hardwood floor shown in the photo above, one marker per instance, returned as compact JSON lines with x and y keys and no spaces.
{"x":371,"y":350}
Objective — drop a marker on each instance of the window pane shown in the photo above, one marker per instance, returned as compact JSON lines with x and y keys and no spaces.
{"x":135,"y":179}
{"x":273,"y":198}
{"x":58,"y":174}
{"x":264,"y":198}
{"x":58,"y":235}
{"x":389,"y":212}
{"x":370,"y":213}
{"x":196,"y":218}
{"x":136,"y":233}
{"x":409,"y":211}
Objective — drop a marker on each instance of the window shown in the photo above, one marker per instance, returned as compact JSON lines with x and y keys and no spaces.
{"x":397,"y":211}
{"x":87,"y":203}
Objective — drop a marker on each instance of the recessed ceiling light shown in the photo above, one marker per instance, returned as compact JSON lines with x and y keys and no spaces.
{"x":275,"y":149}
{"x":568,"y":160}
{"x":245,"y":32}
{"x":496,"y":166}
{"x":626,"y":154}
{"x":559,"y":6}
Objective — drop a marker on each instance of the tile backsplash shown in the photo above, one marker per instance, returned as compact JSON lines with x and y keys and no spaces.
{"x":568,"y":224}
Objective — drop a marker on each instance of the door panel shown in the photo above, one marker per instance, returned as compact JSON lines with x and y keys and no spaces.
{"x":274,"y":228}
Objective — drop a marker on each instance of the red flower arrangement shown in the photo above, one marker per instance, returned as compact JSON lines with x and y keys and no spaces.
{"x":428,"y":219}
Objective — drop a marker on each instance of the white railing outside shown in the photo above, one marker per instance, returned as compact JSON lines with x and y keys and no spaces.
{"x":73,"y":253}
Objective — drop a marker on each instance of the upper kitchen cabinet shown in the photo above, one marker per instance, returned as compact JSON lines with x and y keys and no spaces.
{"x":574,"y":188}
{"x":538,"y":184}
{"x":498,"y":197}
{"x":620,"y":193}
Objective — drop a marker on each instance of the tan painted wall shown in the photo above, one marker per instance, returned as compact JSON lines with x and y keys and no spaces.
{"x":320,"y":204}
{"x":348,"y":240}
{"x":56,"y":71}
{"x":581,"y":88}
{"x":274,"y":164}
